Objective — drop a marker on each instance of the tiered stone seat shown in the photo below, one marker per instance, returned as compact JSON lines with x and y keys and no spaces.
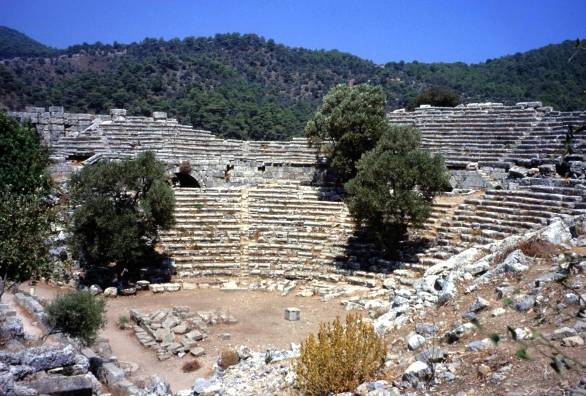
{"x":293,"y":230}
{"x":491,"y":134}
{"x":501,"y":213}
{"x":206,"y":238}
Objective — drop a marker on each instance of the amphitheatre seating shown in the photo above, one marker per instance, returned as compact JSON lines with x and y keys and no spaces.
{"x":491,"y":134}
{"x":501,"y":213}
{"x":282,"y":230}
{"x":206,"y":238}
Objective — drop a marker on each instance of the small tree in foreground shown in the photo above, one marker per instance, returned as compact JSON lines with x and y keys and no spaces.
{"x":24,"y":230}
{"x":340,"y":357}
{"x":79,"y":314}
{"x":119,"y":207}
{"x":395,"y":186}
{"x":25,"y":214}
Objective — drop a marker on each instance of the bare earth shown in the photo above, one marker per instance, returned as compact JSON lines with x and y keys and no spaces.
{"x":260,"y":324}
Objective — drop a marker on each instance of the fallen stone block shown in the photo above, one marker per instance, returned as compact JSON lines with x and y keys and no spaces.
{"x":80,"y":385}
{"x":292,"y":314}
{"x":109,"y":373}
{"x":197,"y":351}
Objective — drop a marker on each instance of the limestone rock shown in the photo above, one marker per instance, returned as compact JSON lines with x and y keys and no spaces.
{"x":417,"y":372}
{"x":415,"y":341}
{"x":110,"y":292}
{"x":573,"y":341}
{"x":514,"y":262}
{"x":478,"y":305}
{"x":480,"y":345}
{"x":197,"y":351}
{"x":524,"y":303}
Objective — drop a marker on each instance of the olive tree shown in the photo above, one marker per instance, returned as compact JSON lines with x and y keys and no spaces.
{"x":119,"y":208}
{"x":395,"y":186}
{"x":348,"y":123}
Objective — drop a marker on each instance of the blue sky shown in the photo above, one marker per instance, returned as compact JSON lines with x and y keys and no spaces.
{"x":445,"y":31}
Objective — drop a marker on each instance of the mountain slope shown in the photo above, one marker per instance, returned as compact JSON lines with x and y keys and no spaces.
{"x":13,"y":44}
{"x":244,"y":86}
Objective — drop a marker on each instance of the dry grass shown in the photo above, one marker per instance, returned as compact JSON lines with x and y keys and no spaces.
{"x":191,"y":366}
{"x":228,"y":358}
{"x":340,"y":357}
{"x":539,"y":248}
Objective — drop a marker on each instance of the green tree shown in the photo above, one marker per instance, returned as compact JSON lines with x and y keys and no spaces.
{"x":79,"y":314}
{"x":23,"y":158}
{"x":349,"y":122}
{"x":395,"y":186}
{"x":24,"y":230}
{"x":119,"y":208}
{"x":439,"y":97}
{"x":25,"y":213}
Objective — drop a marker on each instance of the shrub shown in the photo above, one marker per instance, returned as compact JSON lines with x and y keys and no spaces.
{"x":123,"y":321}
{"x":191,"y":366}
{"x":340,"y":357}
{"x":228,"y":358}
{"x":78,"y":314}
{"x":439,"y":97}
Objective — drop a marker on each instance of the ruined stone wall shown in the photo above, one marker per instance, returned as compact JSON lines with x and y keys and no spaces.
{"x":215,"y":161}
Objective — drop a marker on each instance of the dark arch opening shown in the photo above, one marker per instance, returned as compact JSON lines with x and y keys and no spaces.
{"x":185,"y":180}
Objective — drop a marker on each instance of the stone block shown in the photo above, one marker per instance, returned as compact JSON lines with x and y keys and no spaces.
{"x":81,"y":385}
{"x":109,"y":373}
{"x":292,"y":314}
{"x":197,"y":351}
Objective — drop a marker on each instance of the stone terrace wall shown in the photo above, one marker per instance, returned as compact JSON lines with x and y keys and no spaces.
{"x":214,"y":160}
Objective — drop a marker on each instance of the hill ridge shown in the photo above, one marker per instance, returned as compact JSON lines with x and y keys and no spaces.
{"x":249,"y":87}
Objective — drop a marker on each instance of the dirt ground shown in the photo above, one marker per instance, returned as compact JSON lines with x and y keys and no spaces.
{"x":261,"y":324}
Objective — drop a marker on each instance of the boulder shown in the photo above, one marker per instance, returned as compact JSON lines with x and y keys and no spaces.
{"x":479,"y":345}
{"x":573,"y":341}
{"x":517,"y":172}
{"x":110,"y":292}
{"x":524,"y":303}
{"x":514,"y":262}
{"x":415,"y":341}
{"x":417,"y":372}
{"x":95,"y":289}
{"x":557,"y":233}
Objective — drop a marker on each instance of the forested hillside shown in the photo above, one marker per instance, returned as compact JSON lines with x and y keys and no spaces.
{"x":244,"y":86}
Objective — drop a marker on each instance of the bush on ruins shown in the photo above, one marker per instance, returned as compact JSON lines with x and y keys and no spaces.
{"x":79,"y":314}
{"x":395,"y":186}
{"x":440,"y":97}
{"x":350,"y":120}
{"x":25,"y":211}
{"x":119,"y":207}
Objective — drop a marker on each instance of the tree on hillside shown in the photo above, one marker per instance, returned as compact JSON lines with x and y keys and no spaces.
{"x":349,"y":122}
{"x":395,"y":186}
{"x":25,"y":213}
{"x":439,"y":97}
{"x":119,"y":207}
